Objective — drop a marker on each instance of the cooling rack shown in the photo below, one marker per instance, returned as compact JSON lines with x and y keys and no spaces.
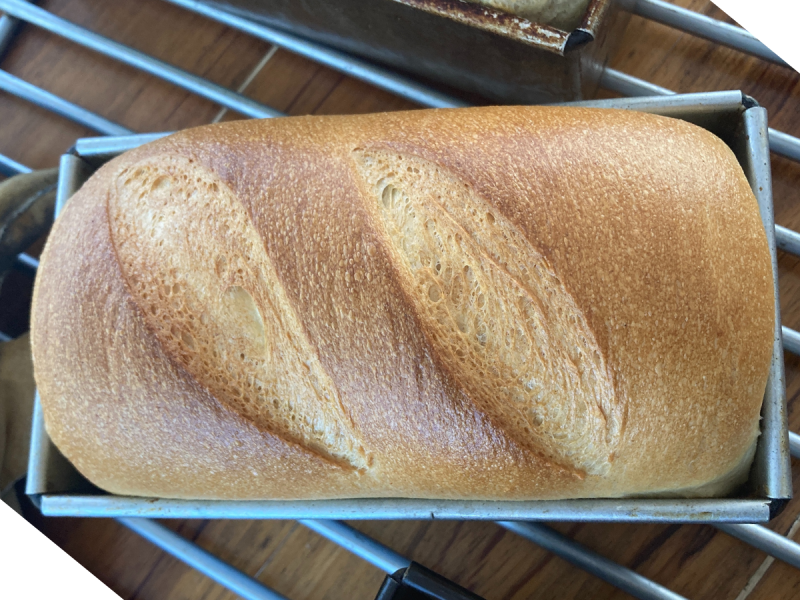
{"x":338,"y":532}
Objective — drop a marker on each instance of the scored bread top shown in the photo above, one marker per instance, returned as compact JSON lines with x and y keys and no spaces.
{"x":476,"y":303}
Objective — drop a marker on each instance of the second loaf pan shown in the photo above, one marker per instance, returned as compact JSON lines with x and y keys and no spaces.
{"x":738,"y":120}
{"x":474,"y":48}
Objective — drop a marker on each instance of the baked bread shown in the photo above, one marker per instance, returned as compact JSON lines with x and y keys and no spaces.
{"x":564,"y":14}
{"x":487,"y":303}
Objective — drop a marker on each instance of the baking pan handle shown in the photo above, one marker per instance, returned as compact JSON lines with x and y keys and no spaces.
{"x":415,"y":582}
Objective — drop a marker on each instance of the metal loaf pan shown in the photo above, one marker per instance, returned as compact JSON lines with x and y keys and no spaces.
{"x":480,"y":50}
{"x":739,"y":121}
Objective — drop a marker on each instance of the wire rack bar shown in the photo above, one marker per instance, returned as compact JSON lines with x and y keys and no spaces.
{"x":627,"y":85}
{"x":791,"y":340}
{"x":28,"y":262}
{"x":705,"y":27}
{"x":134,"y":58}
{"x":8,"y":26}
{"x":767,"y":540}
{"x":105,"y":148}
{"x":794,"y":444}
{"x":363,"y":546}
{"x":339,"y":61}
{"x":27,"y":91}
{"x":193,"y":555}
{"x":9,"y":167}
{"x":621,"y":577}
{"x":787,"y":240}
{"x":784,"y":144}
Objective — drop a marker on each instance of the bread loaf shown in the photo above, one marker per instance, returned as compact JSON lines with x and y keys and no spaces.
{"x":565,"y":14}
{"x":488,"y":303}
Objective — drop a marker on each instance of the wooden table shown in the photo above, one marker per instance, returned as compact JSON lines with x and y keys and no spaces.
{"x":696,"y":561}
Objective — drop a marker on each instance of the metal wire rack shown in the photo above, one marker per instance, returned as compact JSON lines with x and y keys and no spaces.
{"x":384,"y":558}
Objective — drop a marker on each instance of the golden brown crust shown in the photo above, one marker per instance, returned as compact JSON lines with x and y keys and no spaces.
{"x":624,"y":255}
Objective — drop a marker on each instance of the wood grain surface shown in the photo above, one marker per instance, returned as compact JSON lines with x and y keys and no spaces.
{"x":696,"y":561}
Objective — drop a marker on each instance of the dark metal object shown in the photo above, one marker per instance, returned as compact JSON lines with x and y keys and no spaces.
{"x":482,"y":51}
{"x":415,"y":582}
{"x":405,"y":580}
{"x":27,"y":202}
